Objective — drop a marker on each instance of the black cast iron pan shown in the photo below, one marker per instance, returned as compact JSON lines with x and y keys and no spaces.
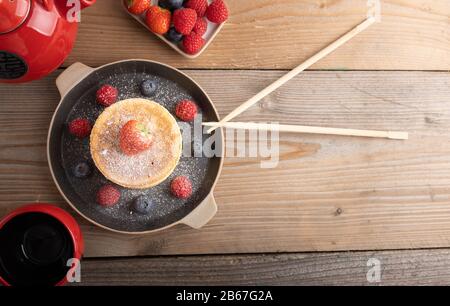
{"x":78,"y":86}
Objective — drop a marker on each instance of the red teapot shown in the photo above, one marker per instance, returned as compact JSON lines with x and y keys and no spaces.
{"x":36,"y":36}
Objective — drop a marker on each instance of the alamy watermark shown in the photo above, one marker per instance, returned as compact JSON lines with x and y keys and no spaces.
{"x":374,"y":273}
{"x":74,"y":273}
{"x":198,"y":143}
{"x":238,"y":143}
{"x":74,"y":11}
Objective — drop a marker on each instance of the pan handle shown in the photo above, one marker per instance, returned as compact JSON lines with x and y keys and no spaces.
{"x":72,"y":75}
{"x":202,"y":214}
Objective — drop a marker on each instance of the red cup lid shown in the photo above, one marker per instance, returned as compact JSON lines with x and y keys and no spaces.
{"x":12,"y":14}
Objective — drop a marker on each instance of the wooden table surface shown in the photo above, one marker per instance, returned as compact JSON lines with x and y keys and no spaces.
{"x":327,"y":194}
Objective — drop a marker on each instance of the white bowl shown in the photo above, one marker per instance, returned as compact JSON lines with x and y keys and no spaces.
{"x":212,"y":31}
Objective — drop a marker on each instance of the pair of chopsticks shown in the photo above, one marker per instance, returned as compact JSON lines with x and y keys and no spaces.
{"x":284,"y":79}
{"x":308,"y":129}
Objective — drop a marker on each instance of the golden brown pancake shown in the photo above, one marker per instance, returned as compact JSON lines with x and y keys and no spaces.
{"x":148,"y":168}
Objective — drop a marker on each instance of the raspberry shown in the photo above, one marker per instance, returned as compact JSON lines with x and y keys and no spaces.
{"x":184,"y":20}
{"x":200,"y":26}
{"x":217,"y":11}
{"x":186,"y":110}
{"x":181,"y":187}
{"x":199,"y":6}
{"x":108,"y":195}
{"x":107,"y":95}
{"x":80,"y":127}
{"x":193,"y":43}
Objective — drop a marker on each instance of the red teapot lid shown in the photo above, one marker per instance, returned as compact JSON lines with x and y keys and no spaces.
{"x":12,"y":14}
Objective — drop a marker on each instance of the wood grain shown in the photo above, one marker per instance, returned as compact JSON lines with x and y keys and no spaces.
{"x":406,"y":267}
{"x":327,"y":193}
{"x":413,"y":35}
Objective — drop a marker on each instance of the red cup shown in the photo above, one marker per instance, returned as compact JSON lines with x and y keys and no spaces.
{"x":58,"y":217}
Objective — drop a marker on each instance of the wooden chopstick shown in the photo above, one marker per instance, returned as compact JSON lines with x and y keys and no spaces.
{"x":306,"y":64}
{"x":309,"y":129}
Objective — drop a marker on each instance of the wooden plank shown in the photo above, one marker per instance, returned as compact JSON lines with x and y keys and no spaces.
{"x":327,"y":193}
{"x":413,"y":35}
{"x":407,"y":267}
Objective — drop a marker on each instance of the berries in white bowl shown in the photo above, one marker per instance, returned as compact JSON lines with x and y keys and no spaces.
{"x":186,"y":26}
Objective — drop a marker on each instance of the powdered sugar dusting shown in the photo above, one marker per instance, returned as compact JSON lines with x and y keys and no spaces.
{"x":148,"y":167}
{"x":73,"y":150}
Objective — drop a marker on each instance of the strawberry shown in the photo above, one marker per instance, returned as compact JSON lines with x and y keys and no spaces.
{"x":108,"y":195}
{"x":184,"y":20}
{"x":217,"y":11}
{"x":193,"y":43}
{"x":137,"y":7}
{"x":80,"y":127}
{"x":181,"y":187}
{"x":199,"y":6}
{"x":158,"y":19}
{"x":107,"y":95}
{"x":200,"y":26}
{"x":186,"y":110}
{"x":134,"y":138}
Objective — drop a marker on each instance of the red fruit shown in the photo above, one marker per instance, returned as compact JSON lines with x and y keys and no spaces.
{"x":200,"y":26}
{"x":199,"y":6}
{"x":186,"y":110}
{"x":134,"y":138}
{"x":80,"y":127}
{"x":107,"y":95}
{"x":217,"y":11}
{"x":181,"y":187}
{"x":184,"y":20}
{"x":193,"y":43}
{"x":158,"y":19}
{"x":108,"y":195}
{"x":137,"y":7}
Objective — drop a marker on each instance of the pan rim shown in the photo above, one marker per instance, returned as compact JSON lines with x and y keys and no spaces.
{"x":55,"y":180}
